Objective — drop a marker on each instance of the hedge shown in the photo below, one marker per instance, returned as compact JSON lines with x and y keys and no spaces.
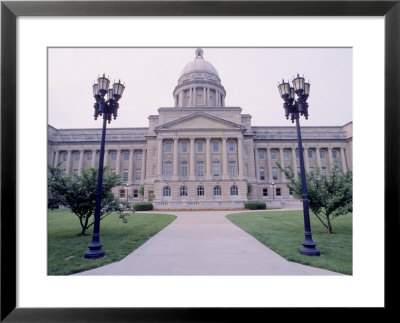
{"x":143,"y":206}
{"x":255,"y":205}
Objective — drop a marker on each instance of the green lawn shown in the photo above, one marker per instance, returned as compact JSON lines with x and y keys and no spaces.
{"x":66,"y":249}
{"x":283,"y":232}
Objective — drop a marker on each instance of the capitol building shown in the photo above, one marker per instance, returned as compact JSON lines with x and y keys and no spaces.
{"x":200,"y":153}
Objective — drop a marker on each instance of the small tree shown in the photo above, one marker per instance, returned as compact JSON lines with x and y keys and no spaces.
{"x":249,"y":190}
{"x":328,"y":196}
{"x":78,"y":193}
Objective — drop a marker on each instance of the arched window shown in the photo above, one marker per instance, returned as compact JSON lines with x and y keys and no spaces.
{"x":200,"y":191}
{"x":166,"y":191}
{"x":183,"y":191}
{"x":217,"y":190}
{"x":234,"y":190}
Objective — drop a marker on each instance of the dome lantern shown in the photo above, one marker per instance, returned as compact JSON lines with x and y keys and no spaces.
{"x":199,"y":85}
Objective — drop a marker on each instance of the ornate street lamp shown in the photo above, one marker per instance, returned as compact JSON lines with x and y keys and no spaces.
{"x":108,"y":109}
{"x":273,"y":190}
{"x":293,"y":110}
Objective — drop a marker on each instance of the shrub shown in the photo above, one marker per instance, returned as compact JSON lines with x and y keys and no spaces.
{"x":255,"y":205}
{"x":143,"y":206}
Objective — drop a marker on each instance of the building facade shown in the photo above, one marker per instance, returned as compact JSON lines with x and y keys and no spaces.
{"x":201,"y":154}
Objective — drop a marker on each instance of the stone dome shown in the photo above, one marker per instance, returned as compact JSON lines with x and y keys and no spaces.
{"x":199,"y":85}
{"x":199,"y":64}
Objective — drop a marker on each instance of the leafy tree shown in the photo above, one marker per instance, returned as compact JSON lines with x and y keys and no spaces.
{"x":78,"y":193}
{"x":328,"y":196}
{"x":55,"y":182}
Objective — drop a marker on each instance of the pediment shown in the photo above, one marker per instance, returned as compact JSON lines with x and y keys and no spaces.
{"x":199,"y":120}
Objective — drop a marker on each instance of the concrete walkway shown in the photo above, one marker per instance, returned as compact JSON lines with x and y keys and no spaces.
{"x":204,"y":243}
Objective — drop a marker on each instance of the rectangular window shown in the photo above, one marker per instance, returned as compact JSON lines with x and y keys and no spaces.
{"x":231,"y":146}
{"x":261,"y":154}
{"x":274,"y":173}
{"x":138,"y":173}
{"x":323,"y":171}
{"x":76,"y":156}
{"x":322,"y":154}
{"x":216,"y":168}
{"x":64,"y":157}
{"x":311,"y":170}
{"x":199,"y":146}
{"x":167,"y":168}
{"x":125,"y":175}
{"x":273,"y":154}
{"x":89,"y":156}
{"x":135,"y":193}
{"x":215,"y":146}
{"x":75,"y":171}
{"x":262,"y":173}
{"x":184,"y":147}
{"x":232,"y":168}
{"x":334,"y":154}
{"x":265,"y":191}
{"x":113,"y":156}
{"x":309,"y":153}
{"x":286,"y":155}
{"x":168,"y":147}
{"x":278,"y":192}
{"x":122,"y":193}
{"x":184,"y":169}
{"x":297,"y":153}
{"x":126,"y":156}
{"x":138,"y":156}
{"x":200,"y":168}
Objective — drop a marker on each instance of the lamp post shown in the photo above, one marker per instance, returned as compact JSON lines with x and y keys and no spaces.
{"x":294,"y":109}
{"x":273,"y":190}
{"x":108,"y":109}
{"x":126,"y":190}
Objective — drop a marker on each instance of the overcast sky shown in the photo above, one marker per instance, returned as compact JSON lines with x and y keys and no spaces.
{"x":249,"y":75}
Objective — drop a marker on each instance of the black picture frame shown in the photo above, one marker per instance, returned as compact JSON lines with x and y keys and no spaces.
{"x":10,"y":10}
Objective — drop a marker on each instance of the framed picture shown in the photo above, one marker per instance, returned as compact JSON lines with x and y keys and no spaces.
{"x":196,"y":11}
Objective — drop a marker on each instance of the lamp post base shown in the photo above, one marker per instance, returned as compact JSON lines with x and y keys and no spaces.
{"x":95,"y":251}
{"x":309,"y":249}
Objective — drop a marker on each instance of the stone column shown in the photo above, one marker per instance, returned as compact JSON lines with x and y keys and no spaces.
{"x":194,"y":97}
{"x":93,"y":162}
{"x":343,"y":157}
{"x":208,"y":158}
{"x":159,"y":159}
{"x":81,"y":158}
{"x":269,"y":163}
{"x":224,"y":159}
{"x":143,"y":171}
{"x":282,"y":162}
{"x":105,"y":158}
{"x":257,"y":170}
{"x":191,"y":160}
{"x":175,"y":158}
{"x":294,"y":162}
{"x":330,"y":159}
{"x":69,"y":160}
{"x":207,"y":96}
{"x":190,"y":97}
{"x":306,"y":161}
{"x":55,"y":163}
{"x":240,"y":156}
{"x":130,"y":168}
{"x":204,"y":96}
{"x":118,"y":163}
{"x":318,"y":158}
